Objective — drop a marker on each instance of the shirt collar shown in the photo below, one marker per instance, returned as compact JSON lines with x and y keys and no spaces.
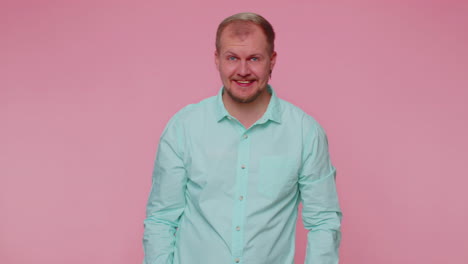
{"x":272,"y":113}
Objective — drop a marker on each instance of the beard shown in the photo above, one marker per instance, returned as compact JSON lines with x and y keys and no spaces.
{"x":244,"y":100}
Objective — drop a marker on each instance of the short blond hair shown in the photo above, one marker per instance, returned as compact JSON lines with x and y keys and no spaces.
{"x":248,"y":18}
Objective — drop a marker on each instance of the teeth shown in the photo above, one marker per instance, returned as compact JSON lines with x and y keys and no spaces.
{"x":243,"y":81}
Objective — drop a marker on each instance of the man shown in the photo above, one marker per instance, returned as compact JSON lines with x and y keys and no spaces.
{"x":231,"y":170}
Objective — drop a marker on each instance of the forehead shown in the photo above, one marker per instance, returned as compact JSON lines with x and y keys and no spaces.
{"x":241,"y":29}
{"x":242,"y":33}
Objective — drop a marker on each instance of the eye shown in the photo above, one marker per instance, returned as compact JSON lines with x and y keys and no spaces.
{"x":232,"y":58}
{"x":254,"y":59}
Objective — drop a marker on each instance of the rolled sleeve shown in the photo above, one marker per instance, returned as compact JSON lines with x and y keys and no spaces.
{"x":166,"y":201}
{"x":321,"y":213}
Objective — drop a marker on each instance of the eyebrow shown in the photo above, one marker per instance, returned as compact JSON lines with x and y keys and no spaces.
{"x":229,"y":53}
{"x":233,"y":53}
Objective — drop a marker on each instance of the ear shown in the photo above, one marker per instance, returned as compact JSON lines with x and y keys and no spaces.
{"x":273,"y":60}
{"x":216,"y":59}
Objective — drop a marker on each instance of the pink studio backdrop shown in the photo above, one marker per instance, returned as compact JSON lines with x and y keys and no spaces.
{"x":86,"y":88}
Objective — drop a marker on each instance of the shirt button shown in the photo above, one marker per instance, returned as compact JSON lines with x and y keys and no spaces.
{"x":237,"y":260}
{"x":241,"y":197}
{"x":238,"y":228}
{"x":243,"y":166}
{"x":246,"y":136}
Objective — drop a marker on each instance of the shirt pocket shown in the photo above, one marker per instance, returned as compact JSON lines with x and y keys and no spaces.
{"x":277,"y":176}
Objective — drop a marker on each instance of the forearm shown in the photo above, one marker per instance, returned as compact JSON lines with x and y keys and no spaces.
{"x":163,"y":215}
{"x":322,"y":215}
{"x":323,"y":239}
{"x":158,"y":241}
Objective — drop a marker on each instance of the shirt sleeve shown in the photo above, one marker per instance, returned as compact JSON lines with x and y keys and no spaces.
{"x":321,"y":212}
{"x":166,"y":201}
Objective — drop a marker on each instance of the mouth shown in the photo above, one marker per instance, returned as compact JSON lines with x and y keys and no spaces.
{"x":244,"y":83}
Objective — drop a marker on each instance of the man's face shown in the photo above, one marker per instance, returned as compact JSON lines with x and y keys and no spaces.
{"x":244,"y":61}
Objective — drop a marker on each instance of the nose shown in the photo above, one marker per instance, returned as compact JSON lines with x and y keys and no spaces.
{"x":244,"y":69}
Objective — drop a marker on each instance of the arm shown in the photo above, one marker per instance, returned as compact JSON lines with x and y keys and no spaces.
{"x":321,"y":212}
{"x":166,"y":201}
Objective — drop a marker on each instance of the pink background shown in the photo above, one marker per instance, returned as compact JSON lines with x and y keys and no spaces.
{"x":86,"y":88}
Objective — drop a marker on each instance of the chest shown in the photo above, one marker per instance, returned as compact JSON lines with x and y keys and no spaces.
{"x":265,"y":159}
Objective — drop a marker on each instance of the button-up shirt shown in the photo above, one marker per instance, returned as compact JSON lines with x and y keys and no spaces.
{"x":222,"y":193}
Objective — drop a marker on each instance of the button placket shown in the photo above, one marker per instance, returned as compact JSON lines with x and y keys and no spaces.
{"x":243,"y":158}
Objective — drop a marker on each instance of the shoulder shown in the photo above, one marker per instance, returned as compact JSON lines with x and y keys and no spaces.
{"x":190,"y":112}
{"x":195,"y":110}
{"x":295,"y":117}
{"x":291,"y":111}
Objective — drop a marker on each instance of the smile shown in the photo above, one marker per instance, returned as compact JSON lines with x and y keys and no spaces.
{"x":244,"y":83}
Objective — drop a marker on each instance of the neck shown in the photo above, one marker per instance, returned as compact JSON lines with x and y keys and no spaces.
{"x":247,"y":113}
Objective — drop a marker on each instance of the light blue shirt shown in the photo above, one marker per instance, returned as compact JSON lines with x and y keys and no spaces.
{"x":222,"y":193}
